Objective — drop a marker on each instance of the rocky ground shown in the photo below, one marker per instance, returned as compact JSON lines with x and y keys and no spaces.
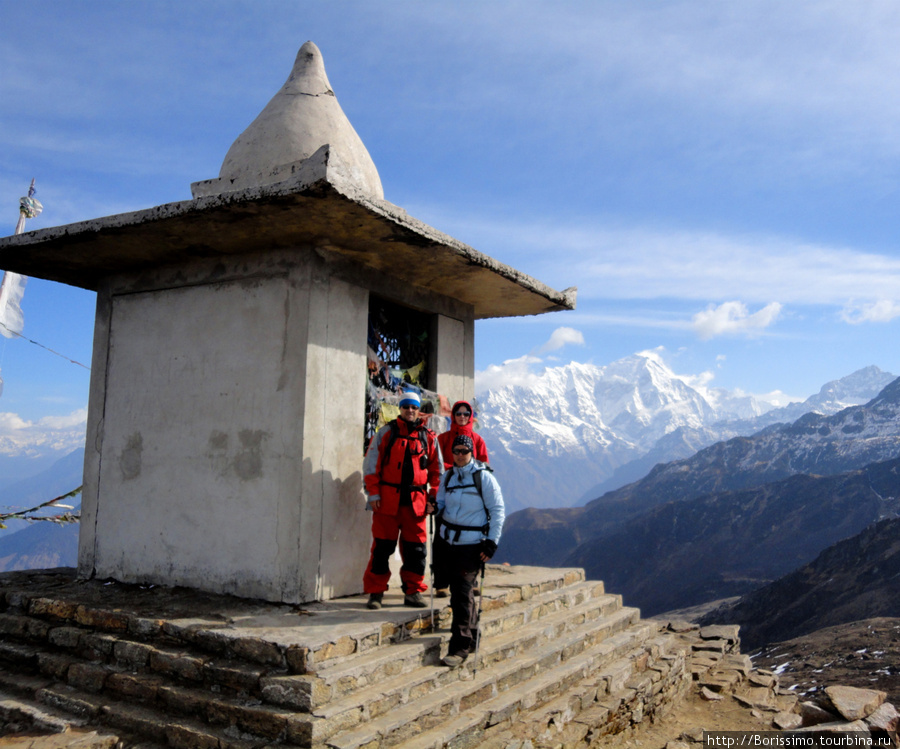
{"x":863,"y":654}
{"x":860,"y":654}
{"x":689,"y":720}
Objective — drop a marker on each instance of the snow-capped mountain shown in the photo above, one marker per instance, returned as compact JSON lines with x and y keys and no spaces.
{"x":730,"y":517}
{"x":853,"y":390}
{"x":554,"y":441}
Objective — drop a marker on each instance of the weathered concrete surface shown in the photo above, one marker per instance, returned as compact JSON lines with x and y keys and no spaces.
{"x":453,"y":357}
{"x":235,"y":464}
{"x":316,"y":209}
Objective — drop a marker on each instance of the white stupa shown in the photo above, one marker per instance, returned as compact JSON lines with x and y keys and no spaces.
{"x":300,"y":120}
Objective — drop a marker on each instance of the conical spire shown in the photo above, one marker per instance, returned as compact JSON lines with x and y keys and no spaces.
{"x":301,"y":118}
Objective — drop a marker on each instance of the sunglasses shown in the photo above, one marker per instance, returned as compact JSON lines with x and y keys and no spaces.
{"x":411,"y":406}
{"x":461,"y":452}
{"x":463,"y":413}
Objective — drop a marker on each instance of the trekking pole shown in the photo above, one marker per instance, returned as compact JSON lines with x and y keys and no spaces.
{"x":478,"y":623}
{"x":431,"y":545}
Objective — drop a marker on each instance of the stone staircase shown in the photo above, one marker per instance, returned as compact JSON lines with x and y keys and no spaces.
{"x":180,"y":668}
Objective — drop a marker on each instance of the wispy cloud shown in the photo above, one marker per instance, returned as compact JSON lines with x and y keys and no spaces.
{"x":699,"y":266}
{"x":881,"y":311}
{"x":733,"y":318}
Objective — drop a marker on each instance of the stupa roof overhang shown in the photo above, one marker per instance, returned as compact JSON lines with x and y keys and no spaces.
{"x":314,"y":208}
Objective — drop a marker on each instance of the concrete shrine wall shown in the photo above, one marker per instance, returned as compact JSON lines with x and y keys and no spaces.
{"x":225,"y":430}
{"x":453,"y":357}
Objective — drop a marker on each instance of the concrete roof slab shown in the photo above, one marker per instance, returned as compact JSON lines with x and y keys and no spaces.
{"x":317,"y":207}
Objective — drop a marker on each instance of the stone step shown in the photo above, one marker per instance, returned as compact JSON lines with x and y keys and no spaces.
{"x":30,"y":713}
{"x":231,"y":673}
{"x":344,"y":676}
{"x":151,"y":692}
{"x":585,"y":707}
{"x":448,"y":687}
{"x":394,"y":674}
{"x":148,"y":689}
{"x":462,"y":710}
{"x":339,"y":675}
{"x":378,"y":695}
{"x":555,"y":628}
{"x":167,"y":665}
{"x":19,"y":714}
{"x":74,"y":644}
{"x":261,"y":633}
{"x":160,"y":727}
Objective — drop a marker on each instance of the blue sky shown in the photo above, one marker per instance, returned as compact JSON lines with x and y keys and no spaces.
{"x":719,"y":179}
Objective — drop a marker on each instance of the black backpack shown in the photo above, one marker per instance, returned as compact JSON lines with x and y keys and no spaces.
{"x":477,"y":483}
{"x":423,"y":433}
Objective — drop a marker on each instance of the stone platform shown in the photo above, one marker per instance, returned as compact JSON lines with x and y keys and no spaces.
{"x":174,"y":667}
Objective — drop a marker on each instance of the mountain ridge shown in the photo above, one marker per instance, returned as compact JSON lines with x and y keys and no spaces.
{"x":824,"y":445}
{"x":579,"y":427}
{"x":853,"y":579}
{"x":685,"y":553}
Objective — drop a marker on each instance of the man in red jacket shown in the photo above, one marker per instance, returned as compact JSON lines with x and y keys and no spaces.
{"x":402,"y":469}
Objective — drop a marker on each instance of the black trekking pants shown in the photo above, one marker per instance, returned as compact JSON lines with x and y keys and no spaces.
{"x":463,"y":567}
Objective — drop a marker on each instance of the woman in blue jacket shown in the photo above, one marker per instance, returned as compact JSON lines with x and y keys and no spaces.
{"x":471,"y":506}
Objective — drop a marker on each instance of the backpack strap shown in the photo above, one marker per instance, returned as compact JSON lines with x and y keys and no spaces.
{"x":477,"y":479}
{"x":422,"y":436}
{"x":460,"y":528}
{"x":395,"y":432}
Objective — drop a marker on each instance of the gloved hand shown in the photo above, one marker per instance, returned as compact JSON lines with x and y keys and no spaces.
{"x":488,"y":548}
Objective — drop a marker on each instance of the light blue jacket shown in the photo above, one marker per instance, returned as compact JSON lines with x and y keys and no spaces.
{"x":458,"y":498}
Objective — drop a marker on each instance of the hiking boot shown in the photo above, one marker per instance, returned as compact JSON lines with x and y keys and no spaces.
{"x":375,"y":601}
{"x":455,"y":660}
{"x":415,"y":600}
{"x":442,"y":592}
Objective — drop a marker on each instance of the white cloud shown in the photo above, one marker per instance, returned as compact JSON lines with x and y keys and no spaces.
{"x":512,"y":372}
{"x":76,"y":419}
{"x":699,"y":382}
{"x":733,"y":318}
{"x":883,"y":310}
{"x":631,"y":263}
{"x":777,"y":398}
{"x":561,"y":337}
{"x":525,"y":370}
{"x":49,"y":434}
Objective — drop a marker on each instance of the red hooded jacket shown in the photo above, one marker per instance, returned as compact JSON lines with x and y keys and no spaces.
{"x":445,"y":439}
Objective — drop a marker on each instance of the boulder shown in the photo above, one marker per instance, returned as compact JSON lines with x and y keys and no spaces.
{"x":853,"y":726}
{"x":787,"y":721}
{"x":885,"y":718}
{"x":854,"y":703}
{"x":813,"y":714}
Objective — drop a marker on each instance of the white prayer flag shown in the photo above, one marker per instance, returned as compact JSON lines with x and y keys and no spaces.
{"x":11,"y":290}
